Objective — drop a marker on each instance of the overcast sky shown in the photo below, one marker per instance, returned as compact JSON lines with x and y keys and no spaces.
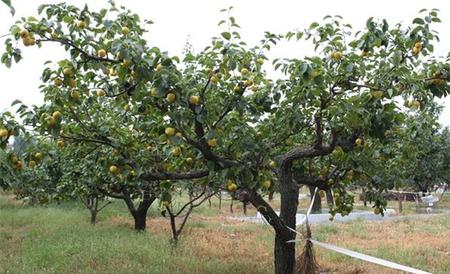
{"x":196,"y":20}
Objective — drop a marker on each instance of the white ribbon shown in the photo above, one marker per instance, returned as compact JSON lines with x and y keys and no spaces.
{"x":368,"y":258}
{"x":351,"y":253}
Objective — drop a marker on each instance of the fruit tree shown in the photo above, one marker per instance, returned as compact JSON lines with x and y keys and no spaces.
{"x":217,"y":114}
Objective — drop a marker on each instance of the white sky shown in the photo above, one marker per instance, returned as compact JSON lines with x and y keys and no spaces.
{"x":176,"y":20}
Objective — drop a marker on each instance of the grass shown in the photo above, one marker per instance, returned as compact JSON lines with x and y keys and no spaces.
{"x":59,"y":239}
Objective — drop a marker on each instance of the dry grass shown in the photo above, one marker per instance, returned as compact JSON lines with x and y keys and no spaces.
{"x":219,"y":238}
{"x":424,"y":244}
{"x":211,"y":243}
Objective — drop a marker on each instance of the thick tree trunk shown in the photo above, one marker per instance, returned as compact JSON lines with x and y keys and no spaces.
{"x":283,"y":264}
{"x":140,"y":220}
{"x":140,"y":213}
{"x":285,"y":252}
{"x":317,"y":203}
{"x":93,"y":216}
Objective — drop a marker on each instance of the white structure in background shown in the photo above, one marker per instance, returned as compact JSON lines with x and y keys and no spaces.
{"x":431,"y":201}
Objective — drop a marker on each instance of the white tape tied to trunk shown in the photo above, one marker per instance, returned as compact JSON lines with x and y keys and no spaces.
{"x":351,"y":253}
{"x":368,"y":258}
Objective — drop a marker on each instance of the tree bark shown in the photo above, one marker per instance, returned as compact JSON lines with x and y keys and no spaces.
{"x":330,"y":200}
{"x":364,"y":194}
{"x":93,"y":216}
{"x":173,"y":226}
{"x":283,"y":264}
{"x":140,"y":220}
{"x":139,"y":214}
{"x":400,"y":199}
{"x":285,"y":252}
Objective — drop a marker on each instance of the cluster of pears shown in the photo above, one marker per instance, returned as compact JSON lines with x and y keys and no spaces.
{"x":53,"y":119}
{"x":27,"y":38}
{"x":170,"y":132}
{"x":115,"y":170}
{"x":231,"y":186}
{"x":36,"y":158}
{"x":70,"y":81}
{"x":336,"y":55}
{"x":18,"y":164}
{"x":413,"y":104}
{"x":417,"y":48}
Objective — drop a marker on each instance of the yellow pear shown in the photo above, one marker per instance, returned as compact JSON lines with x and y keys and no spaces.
{"x":113,"y":169}
{"x":176,"y":151}
{"x":38,"y":156}
{"x":24,"y":33}
{"x":4,"y":133}
{"x":81,"y":24}
{"x":171,"y":97}
{"x":32,"y":164}
{"x":212,"y":142}
{"x":170,"y":131}
{"x":194,"y":99}
{"x":58,"y":82}
{"x":56,"y":115}
{"x":214,"y":79}
{"x":72,"y":83}
{"x":125,"y":30}
{"x":75,"y":94}
{"x":67,"y":72}
{"x":101,"y":53}
{"x":101,"y":93}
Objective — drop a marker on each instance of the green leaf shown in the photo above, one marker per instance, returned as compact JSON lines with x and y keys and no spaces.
{"x":11,"y":8}
{"x":303,"y":68}
{"x":226,"y":35}
{"x":15,"y":102}
{"x":313,"y":25}
{"x":418,"y":21}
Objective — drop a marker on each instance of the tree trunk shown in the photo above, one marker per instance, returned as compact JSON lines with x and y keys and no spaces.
{"x":139,"y":213}
{"x":317,"y":203}
{"x":244,"y":207}
{"x":285,"y":252}
{"x":140,"y":220}
{"x":364,"y":194}
{"x":330,"y":200}
{"x":400,"y":199}
{"x":173,"y":227}
{"x":271,"y":196}
{"x":93,"y":216}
